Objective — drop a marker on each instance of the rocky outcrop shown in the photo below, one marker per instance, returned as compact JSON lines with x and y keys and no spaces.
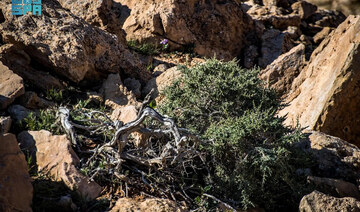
{"x":273,"y":16}
{"x":317,"y":201}
{"x":161,"y":82}
{"x":11,"y":86}
{"x":20,"y":63}
{"x":334,"y":157}
{"x":304,"y":9}
{"x":211,"y":27}
{"x":348,"y":7}
{"x":339,"y":187}
{"x":280,"y":25}
{"x":280,"y":74}
{"x":115,"y":93}
{"x":54,"y":155}
{"x":16,"y":191}
{"x":68,"y":45}
{"x":325,"y":95}
{"x":105,"y":14}
{"x":147,"y":205}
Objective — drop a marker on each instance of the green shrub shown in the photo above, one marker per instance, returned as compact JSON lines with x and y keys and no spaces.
{"x":55,"y":95}
{"x":43,"y":120}
{"x":216,"y":90}
{"x":144,"y":48}
{"x":250,"y":154}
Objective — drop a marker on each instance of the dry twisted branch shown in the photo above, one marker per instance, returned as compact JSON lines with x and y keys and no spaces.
{"x":159,"y":163}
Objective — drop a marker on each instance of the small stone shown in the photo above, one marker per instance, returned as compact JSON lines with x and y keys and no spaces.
{"x":160,"y":69}
{"x":18,"y":112}
{"x":5,"y":124}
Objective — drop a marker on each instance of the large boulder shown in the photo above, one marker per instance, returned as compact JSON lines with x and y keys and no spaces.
{"x":20,"y":63}
{"x":334,"y":157}
{"x":54,"y":155}
{"x":211,"y":27}
{"x":68,"y":45}
{"x":16,"y":191}
{"x":280,"y":74}
{"x":317,"y":201}
{"x":11,"y":86}
{"x":105,"y":14}
{"x":338,"y":187}
{"x":325,"y":96}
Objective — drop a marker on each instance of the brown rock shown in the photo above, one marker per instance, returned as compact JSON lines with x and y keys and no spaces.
{"x":125,"y":114}
{"x":348,"y":7}
{"x":274,"y":43}
{"x":327,"y":18}
{"x":304,"y":9}
{"x":16,"y":191}
{"x":19,"y":62}
{"x":320,"y":36}
{"x":335,"y":158}
{"x":11,"y":86}
{"x":55,"y":156}
{"x":159,"y":69}
{"x":271,"y":3}
{"x":32,"y":101}
{"x":274,"y":16}
{"x":68,"y":45}
{"x":281,"y":73}
{"x":105,"y":14}
{"x":325,"y":95}
{"x":340,"y":187}
{"x":115,"y":93}
{"x":293,"y":31}
{"x":5,"y":124}
{"x":317,"y":201}
{"x":161,"y":82}
{"x":212,"y":27}
{"x":147,"y":205}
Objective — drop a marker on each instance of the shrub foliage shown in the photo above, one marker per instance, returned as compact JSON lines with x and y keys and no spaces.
{"x":250,"y":153}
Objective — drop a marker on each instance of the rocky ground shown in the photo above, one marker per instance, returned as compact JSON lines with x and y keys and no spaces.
{"x":107,"y":54}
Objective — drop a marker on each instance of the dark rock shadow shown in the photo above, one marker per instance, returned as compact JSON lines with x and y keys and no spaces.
{"x":334,"y":160}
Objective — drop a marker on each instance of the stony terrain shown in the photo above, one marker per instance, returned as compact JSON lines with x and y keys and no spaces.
{"x":108,"y":54}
